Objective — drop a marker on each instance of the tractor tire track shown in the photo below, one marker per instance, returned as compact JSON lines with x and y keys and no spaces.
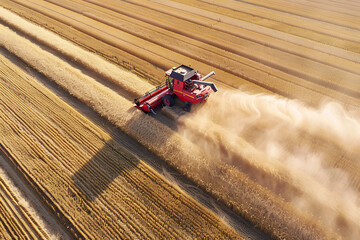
{"x":229,"y":62}
{"x":214,"y":38}
{"x":307,"y":25}
{"x":221,"y":20}
{"x":293,"y":8}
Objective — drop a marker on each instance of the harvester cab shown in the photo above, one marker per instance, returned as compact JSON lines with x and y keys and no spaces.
{"x":183,"y":82}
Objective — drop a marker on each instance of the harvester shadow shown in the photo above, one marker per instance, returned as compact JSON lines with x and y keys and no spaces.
{"x":96,"y":175}
{"x":117,"y":158}
{"x":121,"y":155}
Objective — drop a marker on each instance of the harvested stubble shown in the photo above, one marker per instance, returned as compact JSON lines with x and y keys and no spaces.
{"x":285,"y":82}
{"x":226,"y":60}
{"x":283,"y":45}
{"x":125,"y":80}
{"x":23,"y":220}
{"x":273,"y":80}
{"x":12,"y":223}
{"x":101,"y":189}
{"x":264,"y":209}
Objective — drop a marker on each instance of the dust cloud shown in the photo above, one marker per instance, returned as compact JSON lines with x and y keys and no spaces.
{"x":287,"y":147}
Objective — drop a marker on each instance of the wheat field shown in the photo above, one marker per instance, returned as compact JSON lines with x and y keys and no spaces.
{"x":277,"y":146}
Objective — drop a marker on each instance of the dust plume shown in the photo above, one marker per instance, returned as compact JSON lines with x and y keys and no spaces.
{"x":291,"y":149}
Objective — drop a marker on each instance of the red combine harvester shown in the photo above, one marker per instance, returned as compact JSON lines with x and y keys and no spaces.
{"x":183,"y":82}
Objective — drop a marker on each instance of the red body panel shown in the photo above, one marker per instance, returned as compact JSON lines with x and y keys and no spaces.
{"x":184,"y":89}
{"x":190,"y":94}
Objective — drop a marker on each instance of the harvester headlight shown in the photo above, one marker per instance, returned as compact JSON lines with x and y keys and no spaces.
{"x":199,"y":96}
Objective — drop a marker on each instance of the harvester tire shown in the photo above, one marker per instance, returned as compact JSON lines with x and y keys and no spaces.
{"x":168,"y":100}
{"x":187,"y":107}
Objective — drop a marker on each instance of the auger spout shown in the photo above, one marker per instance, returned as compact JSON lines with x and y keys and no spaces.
{"x":207,"y":76}
{"x":212,"y":85}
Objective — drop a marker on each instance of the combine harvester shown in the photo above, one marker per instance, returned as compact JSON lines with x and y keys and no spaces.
{"x":182,"y":82}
